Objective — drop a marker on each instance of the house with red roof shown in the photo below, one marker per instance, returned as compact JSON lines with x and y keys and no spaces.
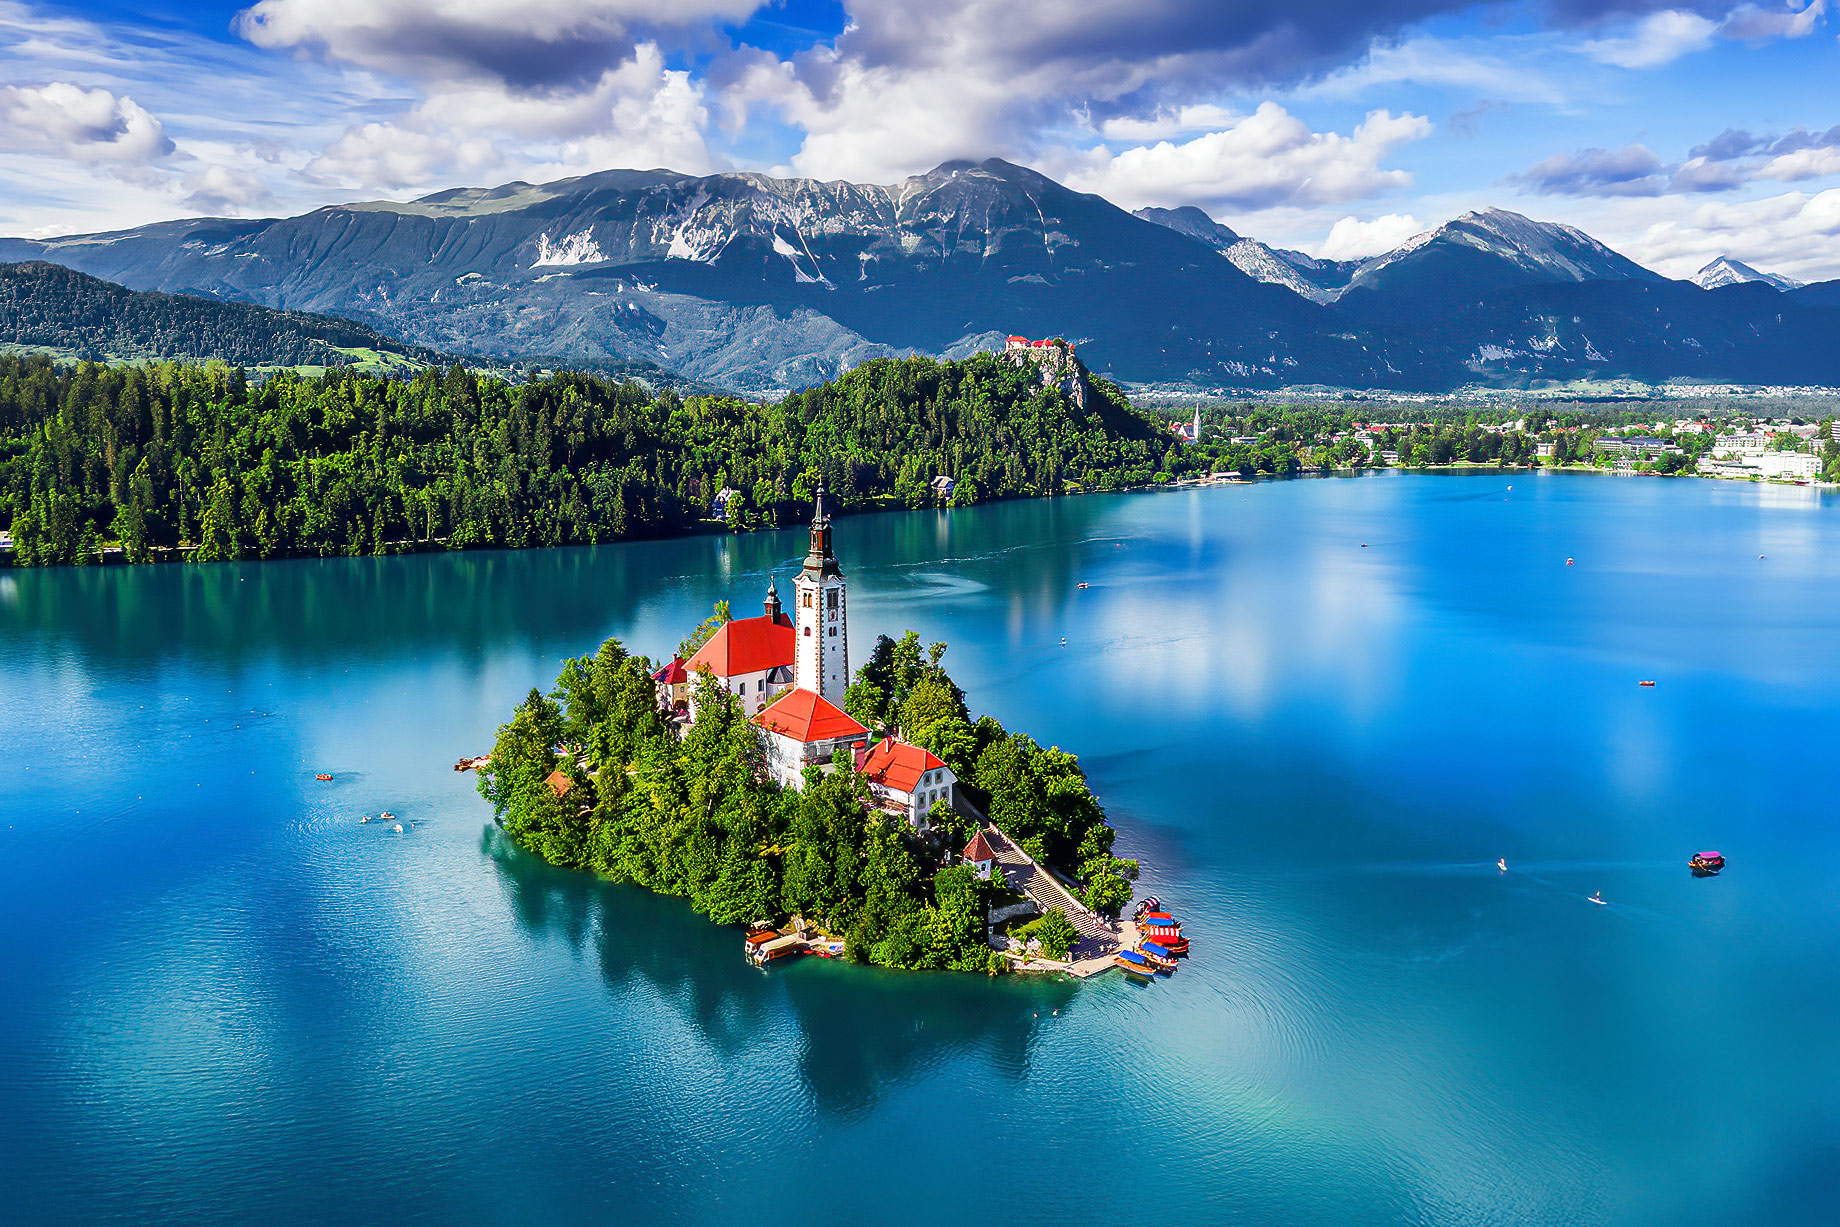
{"x":906,"y":779}
{"x":980,"y":855}
{"x":802,"y":728}
{"x":751,"y":657}
{"x":673,"y":685}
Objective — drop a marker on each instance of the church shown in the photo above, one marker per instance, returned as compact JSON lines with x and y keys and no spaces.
{"x":790,"y":672}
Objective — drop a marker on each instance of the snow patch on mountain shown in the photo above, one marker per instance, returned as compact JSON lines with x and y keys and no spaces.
{"x":1549,"y":250}
{"x":1261,"y":263}
{"x":577,"y":248}
{"x":1726,"y":271}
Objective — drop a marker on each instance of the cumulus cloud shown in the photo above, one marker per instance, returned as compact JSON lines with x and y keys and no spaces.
{"x":1662,"y":37}
{"x":1735,"y":157}
{"x":1354,"y":239}
{"x":220,"y":188}
{"x":1266,"y":159}
{"x":1728,"y":161}
{"x":1659,"y":38}
{"x":521,"y":42}
{"x":905,"y":85}
{"x":85,"y":125}
{"x":639,"y":114}
{"x":1794,"y":233}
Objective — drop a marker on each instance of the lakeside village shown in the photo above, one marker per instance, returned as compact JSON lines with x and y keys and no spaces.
{"x":835,"y":814}
{"x":1241,"y":442}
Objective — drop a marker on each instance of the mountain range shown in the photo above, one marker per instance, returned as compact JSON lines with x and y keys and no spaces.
{"x":757,"y":283}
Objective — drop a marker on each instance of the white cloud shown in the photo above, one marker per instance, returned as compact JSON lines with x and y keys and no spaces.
{"x":1663,"y":37}
{"x":1267,"y":158}
{"x":1794,"y":233}
{"x":1753,"y":22}
{"x":1464,"y":65}
{"x":84,"y":125}
{"x":1659,"y":38}
{"x":1168,"y":122}
{"x":219,"y":188}
{"x":1353,"y":239}
{"x":640,"y":114}
{"x":1802,"y":164}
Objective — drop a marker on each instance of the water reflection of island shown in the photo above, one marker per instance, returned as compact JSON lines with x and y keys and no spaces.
{"x":860,"y":1031}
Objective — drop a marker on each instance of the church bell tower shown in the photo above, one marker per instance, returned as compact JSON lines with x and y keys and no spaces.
{"x":822,"y":653}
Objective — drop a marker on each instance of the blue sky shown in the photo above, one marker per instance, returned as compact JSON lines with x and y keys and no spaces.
{"x":1676,"y":130}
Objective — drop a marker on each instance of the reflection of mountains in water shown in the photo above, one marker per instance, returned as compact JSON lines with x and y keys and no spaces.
{"x":859,"y":1030}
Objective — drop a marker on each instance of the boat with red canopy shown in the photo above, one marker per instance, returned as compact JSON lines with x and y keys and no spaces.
{"x":1705,"y":864}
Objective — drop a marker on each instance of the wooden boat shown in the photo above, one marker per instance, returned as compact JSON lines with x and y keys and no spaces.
{"x":1134,"y":963}
{"x":1645,"y":683}
{"x":322,"y":776}
{"x":1162,"y":920}
{"x":762,"y":949}
{"x":1169,"y":939}
{"x":1705,"y":864}
{"x":1085,"y":585}
{"x":1157,"y":955}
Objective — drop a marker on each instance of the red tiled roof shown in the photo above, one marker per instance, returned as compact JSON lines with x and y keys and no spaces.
{"x":1024,"y":340}
{"x":746,"y":645}
{"x":673,"y":673}
{"x":807,"y":716}
{"x":979,"y":849}
{"x":897,"y":765}
{"x":559,"y":783}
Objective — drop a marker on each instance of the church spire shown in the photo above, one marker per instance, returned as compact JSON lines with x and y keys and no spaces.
{"x":820,"y":559}
{"x":772,"y":604}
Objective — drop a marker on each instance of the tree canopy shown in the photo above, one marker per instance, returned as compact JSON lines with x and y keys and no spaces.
{"x":197,"y":459}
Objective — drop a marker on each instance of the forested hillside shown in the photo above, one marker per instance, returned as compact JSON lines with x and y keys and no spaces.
{"x":204,"y":460}
{"x":50,"y":307}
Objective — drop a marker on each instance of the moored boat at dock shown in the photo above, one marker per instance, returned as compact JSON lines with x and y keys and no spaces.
{"x":1135,"y":963}
{"x":1170,"y":939}
{"x":1157,"y":955}
{"x":764,"y":946}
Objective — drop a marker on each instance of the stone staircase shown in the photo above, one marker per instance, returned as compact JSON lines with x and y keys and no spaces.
{"x":1098,"y":936}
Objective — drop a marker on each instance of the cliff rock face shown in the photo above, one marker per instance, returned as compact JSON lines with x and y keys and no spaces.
{"x":1056,"y":364}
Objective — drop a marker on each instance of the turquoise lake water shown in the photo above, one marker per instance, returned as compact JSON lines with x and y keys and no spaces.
{"x":223,"y":999}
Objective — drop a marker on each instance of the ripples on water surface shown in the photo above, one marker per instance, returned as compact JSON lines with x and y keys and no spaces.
{"x":223,"y":998}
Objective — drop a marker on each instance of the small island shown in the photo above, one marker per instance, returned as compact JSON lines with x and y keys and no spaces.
{"x":865,"y":814}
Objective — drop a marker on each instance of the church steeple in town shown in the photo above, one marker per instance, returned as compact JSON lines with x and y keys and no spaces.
{"x":772,"y":604}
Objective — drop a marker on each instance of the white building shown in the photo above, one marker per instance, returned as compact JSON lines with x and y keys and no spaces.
{"x":822,"y":655}
{"x":1789,"y":466}
{"x":803,"y":729}
{"x":1746,"y":443}
{"x":752,"y":657}
{"x":906,"y":779}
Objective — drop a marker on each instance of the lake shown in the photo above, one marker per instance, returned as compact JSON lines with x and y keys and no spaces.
{"x":1317,"y":711}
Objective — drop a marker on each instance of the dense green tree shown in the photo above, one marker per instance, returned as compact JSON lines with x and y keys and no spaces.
{"x":167,"y":459}
{"x":699,"y":818}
